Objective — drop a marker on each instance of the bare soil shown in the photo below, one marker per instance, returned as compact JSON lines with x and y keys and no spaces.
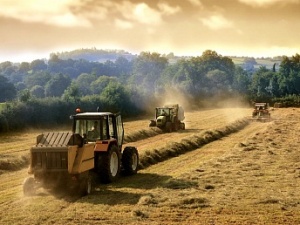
{"x":250,"y":176}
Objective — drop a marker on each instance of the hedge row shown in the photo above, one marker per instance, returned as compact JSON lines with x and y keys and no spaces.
{"x":53,"y":111}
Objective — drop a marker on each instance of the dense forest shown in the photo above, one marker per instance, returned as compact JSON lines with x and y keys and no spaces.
{"x":46,"y":91}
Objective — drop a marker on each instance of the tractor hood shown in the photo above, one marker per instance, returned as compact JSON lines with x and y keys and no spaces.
{"x":161,"y":121}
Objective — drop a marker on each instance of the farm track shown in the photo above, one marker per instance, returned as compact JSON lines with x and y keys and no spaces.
{"x":121,"y":202}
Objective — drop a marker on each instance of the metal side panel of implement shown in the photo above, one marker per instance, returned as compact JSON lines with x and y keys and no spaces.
{"x":80,"y":159}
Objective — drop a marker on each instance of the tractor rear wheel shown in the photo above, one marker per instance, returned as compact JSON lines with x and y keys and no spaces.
{"x":130,"y":160}
{"x":109,"y":164}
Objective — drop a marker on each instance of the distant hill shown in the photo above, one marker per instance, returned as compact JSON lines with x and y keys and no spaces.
{"x":95,"y":55}
{"x":100,"y":55}
{"x":249,"y":63}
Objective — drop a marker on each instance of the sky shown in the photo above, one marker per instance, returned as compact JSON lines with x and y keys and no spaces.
{"x":33,"y":29}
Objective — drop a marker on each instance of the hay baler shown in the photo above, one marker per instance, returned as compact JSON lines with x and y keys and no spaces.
{"x":68,"y":158}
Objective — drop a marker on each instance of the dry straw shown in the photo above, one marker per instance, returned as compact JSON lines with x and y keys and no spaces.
{"x":188,"y":144}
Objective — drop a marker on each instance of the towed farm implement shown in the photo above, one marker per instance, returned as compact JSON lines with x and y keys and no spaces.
{"x":68,"y":159}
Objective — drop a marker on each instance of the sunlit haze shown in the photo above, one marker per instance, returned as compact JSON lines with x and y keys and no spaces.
{"x":33,"y":29}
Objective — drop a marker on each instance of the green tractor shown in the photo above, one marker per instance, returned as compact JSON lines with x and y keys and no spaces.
{"x":169,"y":118}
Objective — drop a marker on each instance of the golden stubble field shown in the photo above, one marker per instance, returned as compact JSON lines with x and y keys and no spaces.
{"x":251,"y":176}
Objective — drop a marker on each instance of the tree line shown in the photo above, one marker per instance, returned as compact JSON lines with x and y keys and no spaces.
{"x":133,"y":84}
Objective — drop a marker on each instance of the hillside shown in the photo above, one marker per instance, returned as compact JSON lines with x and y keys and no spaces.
{"x":245,"y":173}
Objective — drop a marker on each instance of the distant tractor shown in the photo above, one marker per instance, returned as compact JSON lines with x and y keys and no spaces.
{"x":261,"y":111}
{"x":69,"y":158}
{"x":169,"y":118}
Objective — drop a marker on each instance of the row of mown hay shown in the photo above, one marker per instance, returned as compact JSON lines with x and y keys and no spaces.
{"x":142,"y":134}
{"x":193,"y":142}
{"x":153,"y":156}
{"x":11,"y":163}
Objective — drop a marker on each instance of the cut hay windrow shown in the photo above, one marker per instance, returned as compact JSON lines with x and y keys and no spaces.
{"x":12,"y":163}
{"x":141,"y":134}
{"x":173,"y":149}
{"x":153,"y":156}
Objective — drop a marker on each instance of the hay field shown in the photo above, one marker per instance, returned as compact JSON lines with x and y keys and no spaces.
{"x":222,"y":169}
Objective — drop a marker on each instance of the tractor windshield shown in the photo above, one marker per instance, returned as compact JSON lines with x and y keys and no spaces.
{"x":163,"y":112}
{"x":92,"y":130}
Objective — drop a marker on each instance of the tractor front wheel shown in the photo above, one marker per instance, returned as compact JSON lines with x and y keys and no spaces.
{"x":130,"y":160}
{"x":169,"y":127}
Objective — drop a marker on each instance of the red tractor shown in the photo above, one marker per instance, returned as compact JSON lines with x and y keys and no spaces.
{"x":68,"y":158}
{"x":261,"y":111}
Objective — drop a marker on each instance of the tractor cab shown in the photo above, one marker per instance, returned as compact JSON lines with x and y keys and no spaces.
{"x":99,"y":127}
{"x":261,"y":111}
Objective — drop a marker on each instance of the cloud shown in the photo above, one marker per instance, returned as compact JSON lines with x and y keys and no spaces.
{"x":78,"y":13}
{"x":123,"y":24}
{"x":167,"y":9}
{"x":55,"y":12}
{"x":140,"y":13}
{"x":217,"y":22}
{"x":261,"y":3}
{"x":196,"y":2}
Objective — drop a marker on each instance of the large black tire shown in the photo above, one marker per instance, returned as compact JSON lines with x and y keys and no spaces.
{"x":29,"y":186}
{"x":109,"y":165}
{"x":130,"y":160}
{"x":176,"y":126}
{"x":152,"y":123}
{"x":168,"y":127}
{"x":85,"y":186}
{"x":182,"y":126}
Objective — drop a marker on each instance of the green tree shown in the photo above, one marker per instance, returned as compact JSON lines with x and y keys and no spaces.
{"x":147,"y":69}
{"x":24,"y":95}
{"x":24,"y":67}
{"x":84,"y":83}
{"x":99,"y":85}
{"x":8,"y":90}
{"x":218,"y":82}
{"x":202,"y":75}
{"x":72,"y":92}
{"x":123,"y":66}
{"x":264,"y":84}
{"x":37,"y":78}
{"x":289,"y":75}
{"x":37,"y":91}
{"x":38,"y":64}
{"x":116,"y":97}
{"x":56,"y":86}
{"x":55,"y":64}
{"x":241,"y":81}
